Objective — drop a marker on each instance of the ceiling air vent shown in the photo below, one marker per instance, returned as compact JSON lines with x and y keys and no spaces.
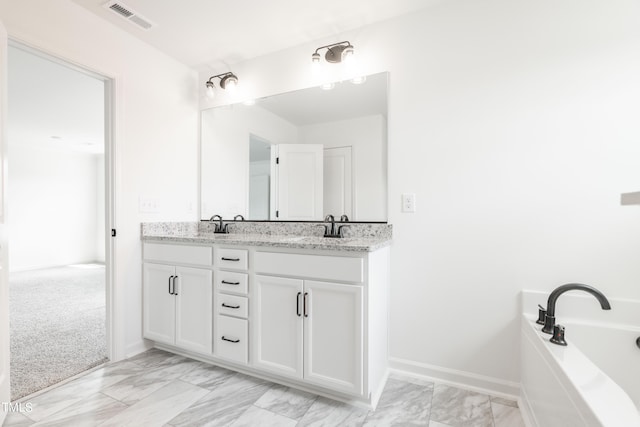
{"x":129,"y":14}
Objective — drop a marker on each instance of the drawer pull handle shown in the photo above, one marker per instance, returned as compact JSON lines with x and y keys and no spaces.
{"x":175,"y":292}
{"x":298,"y":304}
{"x":230,"y":259}
{"x":224,"y":282}
{"x":305,"y":308}
{"x":230,"y":340}
{"x":170,"y":277}
{"x":224,"y":304}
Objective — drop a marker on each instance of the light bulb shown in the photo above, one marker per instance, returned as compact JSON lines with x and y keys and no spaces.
{"x":229,"y":82}
{"x":210,"y":91}
{"x":348,"y":54}
{"x":231,"y":85}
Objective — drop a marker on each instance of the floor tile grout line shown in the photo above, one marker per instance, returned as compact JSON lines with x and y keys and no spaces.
{"x":433,"y":391}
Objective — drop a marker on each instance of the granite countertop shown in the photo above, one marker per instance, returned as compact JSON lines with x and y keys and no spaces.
{"x":354,"y":244}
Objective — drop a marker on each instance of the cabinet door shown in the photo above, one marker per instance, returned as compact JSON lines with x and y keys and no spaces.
{"x":194,"y":309}
{"x":158,"y":304}
{"x":333,"y":336}
{"x":277,"y":325}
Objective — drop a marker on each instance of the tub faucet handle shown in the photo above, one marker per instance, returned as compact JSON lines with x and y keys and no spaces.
{"x":541,"y":313}
{"x":558,"y":335}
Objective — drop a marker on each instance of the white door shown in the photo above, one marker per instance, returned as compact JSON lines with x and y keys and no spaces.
{"x":194,"y":309}
{"x":338,"y":182}
{"x":4,"y":265}
{"x":299,"y":188}
{"x":277,"y":330}
{"x":158,"y":304}
{"x":333,"y":336}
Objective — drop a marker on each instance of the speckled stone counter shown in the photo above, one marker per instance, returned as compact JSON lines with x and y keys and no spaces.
{"x":359,"y":237}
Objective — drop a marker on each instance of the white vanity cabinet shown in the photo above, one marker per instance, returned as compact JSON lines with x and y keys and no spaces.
{"x":309,"y":318}
{"x":312,"y":315}
{"x":178,"y":300}
{"x":310,"y":330}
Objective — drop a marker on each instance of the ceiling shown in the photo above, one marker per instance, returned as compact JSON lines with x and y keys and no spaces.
{"x":211,"y":34}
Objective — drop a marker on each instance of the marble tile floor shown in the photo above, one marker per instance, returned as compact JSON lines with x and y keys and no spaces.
{"x":161,"y":389}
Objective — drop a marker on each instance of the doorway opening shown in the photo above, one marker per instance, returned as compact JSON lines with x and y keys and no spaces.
{"x":59,"y":200}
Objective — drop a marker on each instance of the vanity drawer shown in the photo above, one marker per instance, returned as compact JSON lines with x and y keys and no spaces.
{"x":230,"y":281}
{"x":178,"y":254}
{"x":234,"y":259}
{"x":325,"y":267}
{"x":232,"y":339}
{"x":233,"y":305}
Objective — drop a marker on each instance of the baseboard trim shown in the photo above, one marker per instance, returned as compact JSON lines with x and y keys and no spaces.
{"x":461,"y":379}
{"x":526,"y":411}
{"x":136,"y":348}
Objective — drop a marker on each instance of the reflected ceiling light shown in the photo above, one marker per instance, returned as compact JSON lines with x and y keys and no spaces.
{"x":336,"y":53}
{"x":359,"y":80}
{"x":227,"y":81}
{"x":328,"y":86}
{"x":250,"y":102}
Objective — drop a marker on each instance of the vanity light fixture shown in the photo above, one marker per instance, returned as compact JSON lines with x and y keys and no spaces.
{"x":336,"y":53}
{"x":227,"y":81}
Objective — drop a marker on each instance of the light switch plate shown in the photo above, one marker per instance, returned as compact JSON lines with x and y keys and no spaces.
{"x":147,"y":205}
{"x":409,"y":202}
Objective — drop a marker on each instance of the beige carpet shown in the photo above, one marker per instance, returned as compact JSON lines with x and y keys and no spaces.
{"x":57,"y":325}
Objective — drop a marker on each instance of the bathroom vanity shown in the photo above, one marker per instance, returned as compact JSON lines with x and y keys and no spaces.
{"x":304,"y":311}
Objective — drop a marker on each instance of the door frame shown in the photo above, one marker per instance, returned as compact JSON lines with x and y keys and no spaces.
{"x":113,"y":308}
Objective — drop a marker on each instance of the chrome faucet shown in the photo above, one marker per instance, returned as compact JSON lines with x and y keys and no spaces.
{"x":550,"y":313}
{"x":235,"y":218}
{"x":220,"y":227}
{"x":344,"y":218}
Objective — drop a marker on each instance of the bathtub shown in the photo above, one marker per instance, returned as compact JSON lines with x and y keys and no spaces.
{"x":595,"y":379}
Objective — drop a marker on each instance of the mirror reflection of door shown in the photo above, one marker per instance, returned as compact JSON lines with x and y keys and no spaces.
{"x":259,"y":178}
{"x":338,"y":182}
{"x":299,"y":182}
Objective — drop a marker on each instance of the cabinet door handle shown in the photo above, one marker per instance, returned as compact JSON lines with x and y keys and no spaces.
{"x":298,"y":304}
{"x":230,"y":259}
{"x":230,"y":340}
{"x":230,"y":283}
{"x":175,"y":292}
{"x":224,"y":304}
{"x":306,"y":312}
{"x":170,"y":277}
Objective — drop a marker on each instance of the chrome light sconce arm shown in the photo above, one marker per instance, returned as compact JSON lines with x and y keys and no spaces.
{"x":227,"y":81}
{"x":336,"y":52}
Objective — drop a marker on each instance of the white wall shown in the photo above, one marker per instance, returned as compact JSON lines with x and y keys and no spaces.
{"x":52,"y":215}
{"x":156,"y":130}
{"x":516,"y":125}
{"x":367,"y":137}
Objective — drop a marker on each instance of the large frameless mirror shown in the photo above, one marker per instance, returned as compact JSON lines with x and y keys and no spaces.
{"x":298,"y":156}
